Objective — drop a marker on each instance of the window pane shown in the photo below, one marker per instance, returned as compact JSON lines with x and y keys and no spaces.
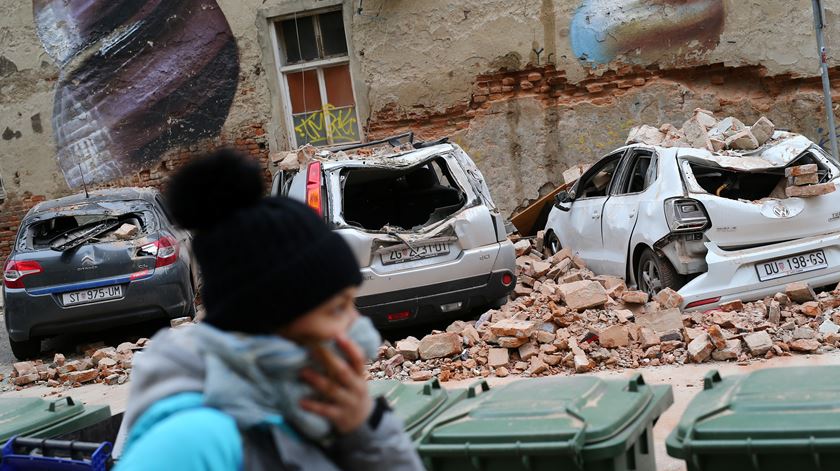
{"x":299,"y":39}
{"x":338,"y":85}
{"x":310,"y":128}
{"x":304,"y":91}
{"x":343,"y":125}
{"x":332,"y":34}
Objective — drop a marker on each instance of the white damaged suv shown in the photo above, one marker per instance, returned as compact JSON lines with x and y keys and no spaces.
{"x":420,"y":219}
{"x":715,"y":226}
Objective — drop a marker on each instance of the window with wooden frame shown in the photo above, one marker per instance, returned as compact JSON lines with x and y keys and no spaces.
{"x":315,"y":78}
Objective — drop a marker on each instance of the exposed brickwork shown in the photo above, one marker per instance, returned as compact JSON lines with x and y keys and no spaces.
{"x":250,"y":140}
{"x":731,"y":84}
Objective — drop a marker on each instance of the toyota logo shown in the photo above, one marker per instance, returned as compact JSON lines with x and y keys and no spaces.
{"x":781,"y":211}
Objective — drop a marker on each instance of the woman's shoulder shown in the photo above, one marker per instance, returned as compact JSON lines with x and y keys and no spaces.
{"x":200,"y":438}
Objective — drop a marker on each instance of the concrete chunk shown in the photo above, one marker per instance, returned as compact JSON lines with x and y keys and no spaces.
{"x":668,"y":298}
{"x":800,"y":292}
{"x":497,"y":357}
{"x":583,"y":294}
{"x":644,"y":134}
{"x":634,"y":297}
{"x":409,"y":348}
{"x":439,"y":345}
{"x":731,"y":351}
{"x":513,"y":328}
{"x":615,"y":336}
{"x":700,"y":349}
{"x":759,"y":342}
{"x":742,"y":140}
{"x":763,"y":130}
{"x":126,"y":232}
{"x":661,"y":321}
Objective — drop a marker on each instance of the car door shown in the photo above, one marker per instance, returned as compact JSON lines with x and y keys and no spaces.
{"x":582,"y":232}
{"x":621,"y":211}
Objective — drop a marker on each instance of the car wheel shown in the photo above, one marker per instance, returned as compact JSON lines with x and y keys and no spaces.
{"x":26,"y":349}
{"x":552,"y":243}
{"x":655,"y":273}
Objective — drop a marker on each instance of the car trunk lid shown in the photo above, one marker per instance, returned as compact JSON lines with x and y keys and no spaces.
{"x":748,"y":206}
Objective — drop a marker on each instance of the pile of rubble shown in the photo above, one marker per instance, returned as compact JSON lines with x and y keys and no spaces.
{"x":564,"y":319}
{"x":704,"y":131}
{"x":95,"y":363}
{"x":99,"y":364}
{"x":804,"y":181}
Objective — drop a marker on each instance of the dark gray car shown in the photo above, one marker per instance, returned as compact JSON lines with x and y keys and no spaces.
{"x":85,"y":263}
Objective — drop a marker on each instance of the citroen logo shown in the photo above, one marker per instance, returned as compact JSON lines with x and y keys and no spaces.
{"x":781,"y":211}
{"x":88,"y":260}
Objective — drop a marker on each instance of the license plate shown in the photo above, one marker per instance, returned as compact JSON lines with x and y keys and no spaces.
{"x":92,"y":295}
{"x":416,"y":252}
{"x":792,"y":265}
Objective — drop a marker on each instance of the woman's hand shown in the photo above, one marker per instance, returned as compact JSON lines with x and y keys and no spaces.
{"x":345,"y":401}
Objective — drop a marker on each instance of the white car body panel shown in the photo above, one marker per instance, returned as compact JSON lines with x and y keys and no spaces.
{"x":774,"y":228}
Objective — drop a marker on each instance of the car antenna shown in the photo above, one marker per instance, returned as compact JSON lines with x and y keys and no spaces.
{"x":84,"y":185}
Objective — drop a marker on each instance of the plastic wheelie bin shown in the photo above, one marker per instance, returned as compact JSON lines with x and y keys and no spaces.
{"x":37,"y":418}
{"x":35,"y":454}
{"x":773,"y":419}
{"x":579,"y":422}
{"x":415,"y":403}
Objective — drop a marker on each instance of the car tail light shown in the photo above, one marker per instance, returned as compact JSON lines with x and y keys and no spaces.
{"x":702,"y":302}
{"x":686,"y":215}
{"x":15,"y":271}
{"x":165,"y":250}
{"x":313,"y":188}
{"x":398,"y":316}
{"x":507,"y":279}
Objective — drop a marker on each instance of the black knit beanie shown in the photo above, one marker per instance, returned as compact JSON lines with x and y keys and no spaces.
{"x":264,"y":261}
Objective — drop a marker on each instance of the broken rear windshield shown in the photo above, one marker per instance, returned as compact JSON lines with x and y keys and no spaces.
{"x":375,"y":198}
{"x":66,"y":228}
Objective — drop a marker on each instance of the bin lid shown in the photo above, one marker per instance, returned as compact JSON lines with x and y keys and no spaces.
{"x":774,"y":403}
{"x":562,"y":413}
{"x":26,"y":415}
{"x":412,"y":403}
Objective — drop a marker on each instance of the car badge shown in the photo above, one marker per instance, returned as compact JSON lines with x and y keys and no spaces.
{"x":781,"y":211}
{"x":88,"y":260}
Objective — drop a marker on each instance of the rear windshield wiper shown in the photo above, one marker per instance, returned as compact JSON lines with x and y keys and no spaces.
{"x":79,"y":236}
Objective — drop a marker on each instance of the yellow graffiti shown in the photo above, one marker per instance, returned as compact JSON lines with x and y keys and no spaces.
{"x":342,"y":125}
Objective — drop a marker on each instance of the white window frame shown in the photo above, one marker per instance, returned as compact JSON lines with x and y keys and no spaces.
{"x":318,"y":65}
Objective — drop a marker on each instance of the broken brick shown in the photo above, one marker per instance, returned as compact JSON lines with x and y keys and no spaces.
{"x":513,"y":328}
{"x":409,"y":348}
{"x":634,"y":297}
{"x":810,"y":190}
{"x":614,"y":336}
{"x":759,"y":342}
{"x":439,"y":345}
{"x":583,"y":294}
{"x":497,"y":357}
{"x":800,"y":292}
{"x":799,"y":170}
{"x":717,"y":337}
{"x":668,"y":298}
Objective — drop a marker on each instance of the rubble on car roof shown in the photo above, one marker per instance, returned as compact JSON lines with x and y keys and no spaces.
{"x":704,"y":131}
{"x":293,"y":160}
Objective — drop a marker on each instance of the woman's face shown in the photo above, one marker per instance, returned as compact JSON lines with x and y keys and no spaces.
{"x":325,"y":322}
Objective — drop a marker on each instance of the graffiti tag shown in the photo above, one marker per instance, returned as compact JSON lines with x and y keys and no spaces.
{"x":331,"y":124}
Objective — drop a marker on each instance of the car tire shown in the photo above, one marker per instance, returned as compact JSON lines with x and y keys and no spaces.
{"x":25,"y":349}
{"x":655,"y":273}
{"x":552,"y":243}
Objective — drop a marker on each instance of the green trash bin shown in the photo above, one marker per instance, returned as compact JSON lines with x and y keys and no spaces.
{"x":553,"y":423}
{"x":37,"y":418}
{"x":415,"y":403}
{"x":774,"y":419}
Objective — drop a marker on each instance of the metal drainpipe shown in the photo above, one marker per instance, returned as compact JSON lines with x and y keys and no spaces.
{"x":819,"y":25}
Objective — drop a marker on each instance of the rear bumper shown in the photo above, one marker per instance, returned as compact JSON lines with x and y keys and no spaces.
{"x":732,"y":274}
{"x":165,"y":294}
{"x":424,"y":304}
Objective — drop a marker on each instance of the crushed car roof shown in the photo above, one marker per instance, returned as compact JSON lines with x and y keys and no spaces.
{"x":394,"y":157}
{"x":781,"y":150}
{"x":97,"y":196}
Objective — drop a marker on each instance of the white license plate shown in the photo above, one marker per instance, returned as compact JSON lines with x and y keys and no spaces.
{"x":416,"y":252}
{"x":792,"y":265}
{"x":92,"y":295}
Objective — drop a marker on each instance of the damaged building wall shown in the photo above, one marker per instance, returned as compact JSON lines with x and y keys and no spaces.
{"x":528,"y":88}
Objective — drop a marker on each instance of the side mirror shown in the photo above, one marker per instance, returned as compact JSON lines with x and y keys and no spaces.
{"x":562,"y":201}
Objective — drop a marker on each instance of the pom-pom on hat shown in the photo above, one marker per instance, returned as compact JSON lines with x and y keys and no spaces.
{"x":264,"y":261}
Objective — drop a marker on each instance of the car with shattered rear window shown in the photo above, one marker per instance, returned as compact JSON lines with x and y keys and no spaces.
{"x":716,"y":225}
{"x":420,"y":219}
{"x":95,"y":261}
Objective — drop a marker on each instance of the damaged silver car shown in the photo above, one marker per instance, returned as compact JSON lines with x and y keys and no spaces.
{"x":716,"y":226}
{"x":419,"y":218}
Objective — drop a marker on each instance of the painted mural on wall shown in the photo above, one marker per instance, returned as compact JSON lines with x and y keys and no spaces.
{"x":640,"y":31}
{"x":138,"y":77}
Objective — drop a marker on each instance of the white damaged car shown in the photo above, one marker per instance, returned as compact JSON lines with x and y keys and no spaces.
{"x":715,"y":226}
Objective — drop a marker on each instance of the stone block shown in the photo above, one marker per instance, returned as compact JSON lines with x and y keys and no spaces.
{"x":742,"y":140}
{"x":805,"y":345}
{"x":634,"y":297}
{"x":439,"y":345}
{"x":759,"y":342}
{"x":800,"y":292}
{"x":513,"y":328}
{"x":668,"y":298}
{"x":614,"y":336}
{"x":700,"y":349}
{"x":731,"y":351}
{"x":497,"y":357}
{"x":800,"y":170}
{"x":661,"y":321}
{"x":583,"y":294}
{"x":409,"y":348}
{"x":763,"y":130}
